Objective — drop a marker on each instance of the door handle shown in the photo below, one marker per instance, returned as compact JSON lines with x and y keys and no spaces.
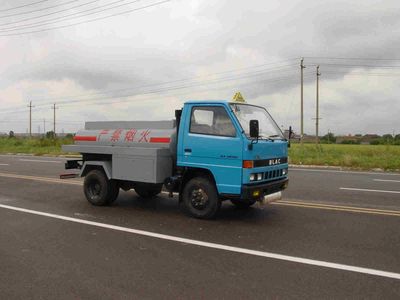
{"x":188,"y":150}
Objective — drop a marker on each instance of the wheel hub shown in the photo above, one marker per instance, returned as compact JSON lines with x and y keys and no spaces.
{"x":95,"y":189}
{"x":199,"y":198}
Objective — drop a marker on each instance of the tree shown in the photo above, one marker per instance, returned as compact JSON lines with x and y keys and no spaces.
{"x":50,"y":134}
{"x":11,"y":134}
{"x":329,"y":138}
{"x":387,"y":139}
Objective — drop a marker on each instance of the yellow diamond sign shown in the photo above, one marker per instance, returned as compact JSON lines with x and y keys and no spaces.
{"x":238,"y":97}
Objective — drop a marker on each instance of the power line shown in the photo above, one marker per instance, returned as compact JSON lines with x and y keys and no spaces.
{"x":174,"y":88}
{"x":89,"y":21}
{"x":58,"y":19}
{"x":262,"y":81}
{"x":360,"y":66}
{"x":162,"y":87}
{"x":21,"y":6}
{"x":40,"y":9}
{"x":351,"y":73}
{"x":166,"y":88}
{"x":275,"y":69}
{"x":279,"y":67}
{"x":352,"y":58}
{"x":48,"y":14}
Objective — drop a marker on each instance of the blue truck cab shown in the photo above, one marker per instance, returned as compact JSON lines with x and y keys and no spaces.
{"x":219,"y":158}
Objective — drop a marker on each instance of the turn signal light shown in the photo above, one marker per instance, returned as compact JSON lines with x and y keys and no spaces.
{"x":248,"y":164}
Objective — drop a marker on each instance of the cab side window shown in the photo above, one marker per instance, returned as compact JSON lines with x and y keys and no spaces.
{"x":211,"y":120}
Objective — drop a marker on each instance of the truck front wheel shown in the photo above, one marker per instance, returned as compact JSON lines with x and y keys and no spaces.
{"x":98,"y":189}
{"x":200,"y":198}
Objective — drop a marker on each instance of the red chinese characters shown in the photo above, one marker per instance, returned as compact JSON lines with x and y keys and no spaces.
{"x":116,"y":135}
{"x":144,"y":135}
{"x":130,"y":135}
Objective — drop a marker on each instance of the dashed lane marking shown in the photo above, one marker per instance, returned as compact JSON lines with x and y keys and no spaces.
{"x":41,"y":161}
{"x":395,"y":213}
{"x":282,"y":257}
{"x":386,"y":180}
{"x":43,"y":179}
{"x":281,"y":202}
{"x":369,"y":190}
{"x":341,"y":171}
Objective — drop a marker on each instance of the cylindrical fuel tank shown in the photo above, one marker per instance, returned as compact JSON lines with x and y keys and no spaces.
{"x":129,"y":134}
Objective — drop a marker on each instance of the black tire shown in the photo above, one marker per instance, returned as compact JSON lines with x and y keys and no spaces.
{"x":200,"y":198}
{"x":98,"y":189}
{"x":243,"y":204}
{"x":148,"y":190}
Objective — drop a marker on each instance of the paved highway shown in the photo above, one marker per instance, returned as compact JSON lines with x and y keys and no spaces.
{"x":335,"y":235}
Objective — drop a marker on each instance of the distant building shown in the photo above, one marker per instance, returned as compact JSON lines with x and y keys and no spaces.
{"x":347,"y":138}
{"x":368,"y":138}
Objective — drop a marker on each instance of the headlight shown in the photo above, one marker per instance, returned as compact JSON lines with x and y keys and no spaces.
{"x":256,"y":176}
{"x":284,"y":171}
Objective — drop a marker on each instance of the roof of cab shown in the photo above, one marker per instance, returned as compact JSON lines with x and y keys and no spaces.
{"x":207,"y":102}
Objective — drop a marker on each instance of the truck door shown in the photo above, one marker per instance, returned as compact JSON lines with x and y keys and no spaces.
{"x":212,"y":141}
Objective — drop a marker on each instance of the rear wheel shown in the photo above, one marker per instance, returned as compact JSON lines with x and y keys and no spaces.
{"x":200,"y":198}
{"x":98,"y":189}
{"x":242,"y":204}
{"x":148,"y":190}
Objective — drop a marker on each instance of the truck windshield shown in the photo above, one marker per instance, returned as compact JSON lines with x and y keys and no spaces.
{"x":267,"y":126}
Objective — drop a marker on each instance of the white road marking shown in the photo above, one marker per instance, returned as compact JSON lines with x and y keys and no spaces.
{"x":4,"y":164}
{"x":348,"y":172}
{"x":44,"y":179}
{"x":41,"y":161}
{"x":318,"y":263}
{"x":368,"y":190}
{"x":386,"y":180}
{"x":32,"y":155}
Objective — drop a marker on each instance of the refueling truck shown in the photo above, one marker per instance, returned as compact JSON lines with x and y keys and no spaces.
{"x":212,"y":151}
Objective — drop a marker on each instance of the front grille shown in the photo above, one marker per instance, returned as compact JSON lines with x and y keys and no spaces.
{"x":273,"y":174}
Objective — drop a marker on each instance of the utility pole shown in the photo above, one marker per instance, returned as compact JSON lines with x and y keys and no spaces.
{"x":30,"y":118}
{"x":317,"y":109}
{"x":54,"y":119}
{"x":44,"y":127}
{"x":302,"y":67}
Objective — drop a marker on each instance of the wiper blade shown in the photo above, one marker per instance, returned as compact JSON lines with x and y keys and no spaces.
{"x":261,"y":137}
{"x":276,"y":136}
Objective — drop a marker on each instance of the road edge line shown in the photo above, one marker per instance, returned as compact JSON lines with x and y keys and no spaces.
{"x":282,"y":257}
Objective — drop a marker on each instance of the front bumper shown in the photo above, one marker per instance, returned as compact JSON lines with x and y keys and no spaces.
{"x":256,"y":191}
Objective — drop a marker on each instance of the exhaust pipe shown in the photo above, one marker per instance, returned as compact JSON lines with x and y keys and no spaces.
{"x":271,"y":198}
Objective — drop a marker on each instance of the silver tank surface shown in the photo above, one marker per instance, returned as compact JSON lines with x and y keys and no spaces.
{"x":154,"y":134}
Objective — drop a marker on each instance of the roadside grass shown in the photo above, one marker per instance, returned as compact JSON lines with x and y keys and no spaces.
{"x":36,"y":146}
{"x":363,"y":157}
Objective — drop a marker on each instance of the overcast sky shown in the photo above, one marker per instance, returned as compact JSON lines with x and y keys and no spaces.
{"x":143,"y":65}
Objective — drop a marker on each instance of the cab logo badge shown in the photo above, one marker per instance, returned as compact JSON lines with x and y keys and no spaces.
{"x":275,"y":161}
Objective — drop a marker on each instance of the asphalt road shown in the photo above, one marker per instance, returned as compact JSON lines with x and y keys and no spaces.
{"x":334,"y":235}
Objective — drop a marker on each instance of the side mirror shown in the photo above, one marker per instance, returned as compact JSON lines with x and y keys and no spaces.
{"x":254,"y":129}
